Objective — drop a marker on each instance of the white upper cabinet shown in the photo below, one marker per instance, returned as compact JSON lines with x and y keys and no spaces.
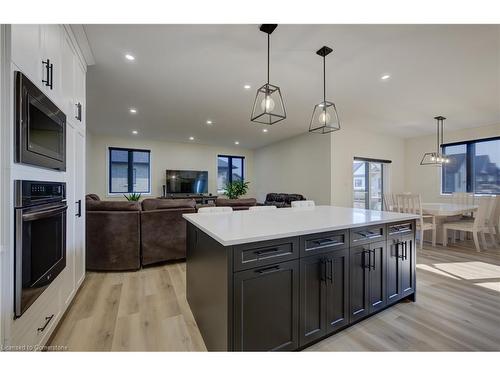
{"x":51,"y":43}
{"x":26,"y":45}
{"x":68,"y":80}
{"x":80,"y":92}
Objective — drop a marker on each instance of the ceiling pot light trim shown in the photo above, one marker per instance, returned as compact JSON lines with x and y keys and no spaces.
{"x":325,"y":118}
{"x":437,"y":158}
{"x":268,"y":106}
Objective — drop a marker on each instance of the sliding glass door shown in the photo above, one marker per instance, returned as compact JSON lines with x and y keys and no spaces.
{"x":368,"y":184}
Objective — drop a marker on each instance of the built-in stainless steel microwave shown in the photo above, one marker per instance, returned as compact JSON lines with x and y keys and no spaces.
{"x":40,"y":127}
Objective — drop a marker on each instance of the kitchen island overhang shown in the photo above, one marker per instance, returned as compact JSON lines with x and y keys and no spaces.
{"x":286,"y":278}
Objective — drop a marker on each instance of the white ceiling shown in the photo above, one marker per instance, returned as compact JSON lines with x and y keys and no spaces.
{"x":186,"y":74}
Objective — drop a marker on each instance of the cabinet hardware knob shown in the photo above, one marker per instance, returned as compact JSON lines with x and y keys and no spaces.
{"x":47,"y":321}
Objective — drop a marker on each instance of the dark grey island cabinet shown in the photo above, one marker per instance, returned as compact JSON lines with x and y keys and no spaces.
{"x":287,"y":293}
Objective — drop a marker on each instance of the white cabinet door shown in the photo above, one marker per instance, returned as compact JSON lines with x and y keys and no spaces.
{"x":80,"y":90}
{"x":68,"y":285}
{"x":51,"y":43}
{"x":26,"y":50}
{"x":80,"y":197}
{"x":68,"y":80}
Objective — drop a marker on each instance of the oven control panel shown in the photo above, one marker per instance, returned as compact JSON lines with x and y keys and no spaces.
{"x":38,"y":192}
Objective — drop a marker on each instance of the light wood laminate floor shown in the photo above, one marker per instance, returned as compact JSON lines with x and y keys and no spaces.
{"x":457,"y":308}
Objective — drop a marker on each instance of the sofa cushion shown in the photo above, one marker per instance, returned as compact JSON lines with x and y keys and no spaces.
{"x":243,"y":202}
{"x":165,"y":204}
{"x":92,"y":197}
{"x":112,"y":205}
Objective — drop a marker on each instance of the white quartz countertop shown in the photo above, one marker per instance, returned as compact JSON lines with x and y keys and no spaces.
{"x":238,"y":227}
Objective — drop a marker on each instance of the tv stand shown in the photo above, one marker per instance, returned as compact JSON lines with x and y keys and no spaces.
{"x":199,"y":198}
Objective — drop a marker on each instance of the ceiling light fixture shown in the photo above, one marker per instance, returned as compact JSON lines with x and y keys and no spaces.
{"x":135,"y":132}
{"x":264,"y":130}
{"x":436,"y":158}
{"x":129,"y":57}
{"x":385,"y":77}
{"x":209,"y":122}
{"x":268,"y":107}
{"x":247,"y":87}
{"x":133,"y":110}
{"x":191,"y":138}
{"x":236,"y":142}
{"x":324,"y":118}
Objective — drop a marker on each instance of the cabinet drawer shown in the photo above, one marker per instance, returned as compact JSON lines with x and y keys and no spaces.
{"x":401,"y":228}
{"x":373,"y":233}
{"x":323,"y":242}
{"x":267,"y":252}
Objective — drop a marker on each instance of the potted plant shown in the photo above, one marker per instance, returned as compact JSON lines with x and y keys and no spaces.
{"x":133,"y":197}
{"x":235,"y":189}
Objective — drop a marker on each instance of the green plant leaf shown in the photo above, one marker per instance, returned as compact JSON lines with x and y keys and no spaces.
{"x":235,"y":189}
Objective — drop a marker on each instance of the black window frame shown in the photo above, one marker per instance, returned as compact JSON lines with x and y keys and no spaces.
{"x":130,"y":170}
{"x":469,"y":163}
{"x":230,"y":167}
{"x":367,"y":161}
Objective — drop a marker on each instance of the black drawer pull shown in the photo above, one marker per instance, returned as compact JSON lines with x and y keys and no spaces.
{"x":47,"y":321}
{"x":268,"y":270}
{"x":326,"y":241}
{"x":267,"y":251}
{"x":374,"y":259}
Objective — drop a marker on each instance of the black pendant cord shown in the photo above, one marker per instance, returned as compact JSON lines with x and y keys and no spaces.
{"x":324,"y":81}
{"x":268,"y":49}
{"x":437,"y":140}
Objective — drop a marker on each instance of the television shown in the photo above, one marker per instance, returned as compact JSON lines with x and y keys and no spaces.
{"x":186,"y":182}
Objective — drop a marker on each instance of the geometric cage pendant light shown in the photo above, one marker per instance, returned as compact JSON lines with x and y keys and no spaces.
{"x":436,"y":158}
{"x":325,"y":118}
{"x":268,"y":106}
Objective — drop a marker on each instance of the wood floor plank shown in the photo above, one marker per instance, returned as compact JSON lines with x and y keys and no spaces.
{"x":457,"y":308}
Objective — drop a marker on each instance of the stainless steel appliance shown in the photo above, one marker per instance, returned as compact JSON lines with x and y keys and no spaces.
{"x":40,"y":127}
{"x":40,"y":238}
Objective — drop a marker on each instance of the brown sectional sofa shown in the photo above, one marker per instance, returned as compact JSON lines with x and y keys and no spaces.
{"x":125,"y":235}
{"x":236,"y":204}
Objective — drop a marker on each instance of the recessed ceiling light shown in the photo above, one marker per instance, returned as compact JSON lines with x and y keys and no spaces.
{"x":264,"y":130}
{"x":236,"y":142}
{"x":209,"y":122}
{"x":133,"y":110}
{"x":385,"y":77}
{"x":135,"y":132}
{"x":191,"y":138}
{"x":247,"y":87}
{"x":129,"y":57}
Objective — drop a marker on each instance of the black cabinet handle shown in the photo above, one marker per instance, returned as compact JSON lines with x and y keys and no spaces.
{"x":406,"y":250}
{"x":78,"y":111}
{"x":268,"y":270}
{"x":369,"y":265}
{"x":374,"y":259}
{"x":322,"y":264}
{"x":48,"y":81}
{"x":330,"y":262}
{"x":47,"y":321}
{"x":267,"y":251}
{"x":326,"y":241}
{"x":79,"y":208}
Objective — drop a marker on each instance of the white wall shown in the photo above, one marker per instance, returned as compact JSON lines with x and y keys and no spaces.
{"x":164,"y":155}
{"x":426,"y":180}
{"x":300,"y":165}
{"x":348,"y":143}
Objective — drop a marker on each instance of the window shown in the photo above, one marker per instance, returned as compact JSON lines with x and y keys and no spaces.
{"x":229,"y":169}
{"x":129,"y":171}
{"x":474,"y":167}
{"x":368,"y":183}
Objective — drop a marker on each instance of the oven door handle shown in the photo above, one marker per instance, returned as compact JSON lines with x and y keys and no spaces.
{"x":45,"y":213}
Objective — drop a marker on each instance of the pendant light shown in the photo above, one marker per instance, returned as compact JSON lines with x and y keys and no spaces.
{"x":268,"y":107}
{"x":436,"y":158}
{"x":325,"y":118}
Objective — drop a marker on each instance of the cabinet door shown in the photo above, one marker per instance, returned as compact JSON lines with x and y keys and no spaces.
{"x":68,"y":284}
{"x":358,"y":283}
{"x":266,"y":306}
{"x":26,"y":45}
{"x":377,"y":276}
{"x":80,"y":204}
{"x":80,"y":91}
{"x":68,"y":80}
{"x":312,"y":298}
{"x":337,"y":290}
{"x":393,"y":279}
{"x":51,"y":43}
{"x":408,"y":264}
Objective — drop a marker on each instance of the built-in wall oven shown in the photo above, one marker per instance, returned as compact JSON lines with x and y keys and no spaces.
{"x":40,"y":238}
{"x":40,"y":127}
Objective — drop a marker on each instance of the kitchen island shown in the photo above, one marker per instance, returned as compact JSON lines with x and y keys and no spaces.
{"x":284,"y":279}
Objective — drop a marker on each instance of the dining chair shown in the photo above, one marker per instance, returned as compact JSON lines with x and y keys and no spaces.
{"x":476,"y":226}
{"x":214,"y":210}
{"x":493,"y":220}
{"x":302,"y":204}
{"x":389,"y":202}
{"x":462,"y":198}
{"x":261,"y":208}
{"x":412,"y":204}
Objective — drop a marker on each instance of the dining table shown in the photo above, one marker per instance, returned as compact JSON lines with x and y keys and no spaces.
{"x":444,"y":212}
